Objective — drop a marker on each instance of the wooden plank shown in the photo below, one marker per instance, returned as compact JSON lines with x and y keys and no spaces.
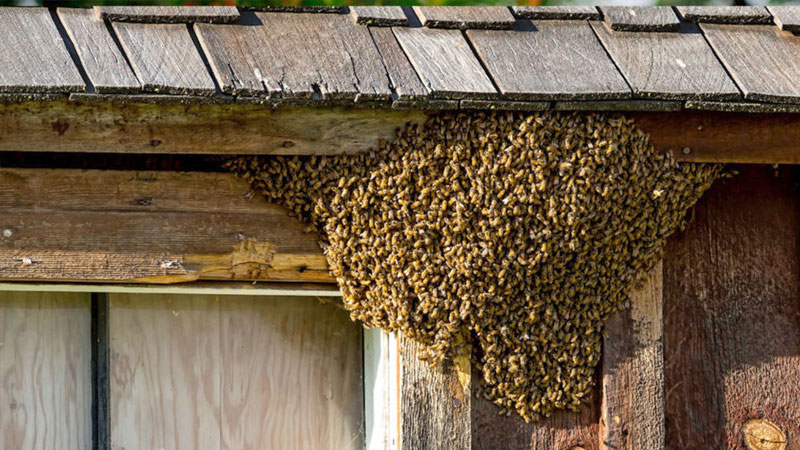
{"x":165,"y":372}
{"x":787,"y":18}
{"x":45,"y":373}
{"x":143,"y":227}
{"x":563,"y":430}
{"x":670,"y":66}
{"x":641,"y":18}
{"x":296,"y":55}
{"x":463,"y":17}
{"x":724,"y":137}
{"x":726,"y":14}
{"x":555,"y":60}
{"x":298,"y":9}
{"x":100,"y":57}
{"x":746,"y":107}
{"x":503,"y":105}
{"x":248,"y":129}
{"x":434,"y":403}
{"x":379,"y":16}
{"x":33,"y":57}
{"x":764,"y":62}
{"x":557,"y":12}
{"x":406,"y":84}
{"x":168,"y":14}
{"x":619,"y":105}
{"x":381,"y":389}
{"x":291,"y":375}
{"x":164,"y":58}
{"x":445,"y":63}
{"x":632,"y":412}
{"x":731,"y":308}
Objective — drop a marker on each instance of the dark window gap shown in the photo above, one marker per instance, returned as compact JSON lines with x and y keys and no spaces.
{"x":101,"y":440}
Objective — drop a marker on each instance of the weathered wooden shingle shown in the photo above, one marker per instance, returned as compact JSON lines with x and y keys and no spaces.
{"x":463,"y":17}
{"x":764,"y":62}
{"x":641,"y":18}
{"x":296,"y":55}
{"x":168,"y":14}
{"x":298,"y":9}
{"x":102,"y":60}
{"x":380,"y":16}
{"x":164,"y":58}
{"x":726,"y":14}
{"x":556,"y":12}
{"x":33,"y":57}
{"x":786,"y":17}
{"x":671,"y":66}
{"x":554,"y":60}
{"x":445,"y":63}
{"x":404,"y":79}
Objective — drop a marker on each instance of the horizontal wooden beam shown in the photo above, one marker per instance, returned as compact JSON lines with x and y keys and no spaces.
{"x":64,"y":126}
{"x":151,"y":227}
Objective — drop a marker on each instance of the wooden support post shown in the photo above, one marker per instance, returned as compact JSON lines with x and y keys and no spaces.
{"x":633,"y":372}
{"x":435,"y":407}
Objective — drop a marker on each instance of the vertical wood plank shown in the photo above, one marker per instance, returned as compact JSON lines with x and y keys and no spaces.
{"x":434,"y":405}
{"x":632,"y":412}
{"x":564,"y":430}
{"x":45,"y":374}
{"x":164,"y":372}
{"x":732,"y":313}
{"x":291,"y":375}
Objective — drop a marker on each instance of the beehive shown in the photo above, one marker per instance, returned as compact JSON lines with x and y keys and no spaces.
{"x":507,"y":237}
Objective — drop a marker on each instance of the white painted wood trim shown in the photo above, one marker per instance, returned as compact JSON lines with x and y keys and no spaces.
{"x":381,"y":390}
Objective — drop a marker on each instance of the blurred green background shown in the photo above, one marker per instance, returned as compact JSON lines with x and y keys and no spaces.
{"x":390,"y":2}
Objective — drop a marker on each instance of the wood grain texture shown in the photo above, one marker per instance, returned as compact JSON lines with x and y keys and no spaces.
{"x":168,"y":14}
{"x":632,"y":411}
{"x":463,"y":17}
{"x":406,"y":84}
{"x":670,"y":66}
{"x":100,"y":57}
{"x":726,"y":14}
{"x":164,"y":58}
{"x":164,"y":374}
{"x":445,"y":63}
{"x":231,"y":129}
{"x":640,"y":18}
{"x":291,"y":375}
{"x":724,"y":137}
{"x":761,"y":59}
{"x":156,"y":227}
{"x":746,"y":107}
{"x":563,"y":430}
{"x":379,"y":16}
{"x":787,"y":18}
{"x":619,"y":105}
{"x":219,"y":372}
{"x":556,"y":60}
{"x":296,"y":55}
{"x":434,"y":406}
{"x":33,"y":57}
{"x":557,"y":12}
{"x":732,"y":313}
{"x":45,"y":373}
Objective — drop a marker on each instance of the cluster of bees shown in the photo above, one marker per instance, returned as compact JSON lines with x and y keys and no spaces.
{"x":505,"y":237}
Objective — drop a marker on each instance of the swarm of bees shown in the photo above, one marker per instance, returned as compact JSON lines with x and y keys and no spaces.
{"x":505,"y":237}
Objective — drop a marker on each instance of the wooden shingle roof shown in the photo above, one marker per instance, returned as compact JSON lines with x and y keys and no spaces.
{"x":620,"y":58}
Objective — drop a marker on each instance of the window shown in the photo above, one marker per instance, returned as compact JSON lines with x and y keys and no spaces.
{"x":137,"y":370}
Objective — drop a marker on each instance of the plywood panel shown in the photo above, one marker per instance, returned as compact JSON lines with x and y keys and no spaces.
{"x":291,"y":375}
{"x":732,"y":313}
{"x":164,"y":372}
{"x":233,"y":372}
{"x":45,"y":374}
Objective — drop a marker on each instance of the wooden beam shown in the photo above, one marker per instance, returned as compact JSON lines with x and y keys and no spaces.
{"x":152,"y":227}
{"x":632,"y":412}
{"x":699,"y":136}
{"x":64,"y":126}
{"x":435,"y":403}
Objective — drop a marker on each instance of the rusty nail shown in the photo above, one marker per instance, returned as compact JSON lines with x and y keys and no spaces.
{"x":687,"y":150}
